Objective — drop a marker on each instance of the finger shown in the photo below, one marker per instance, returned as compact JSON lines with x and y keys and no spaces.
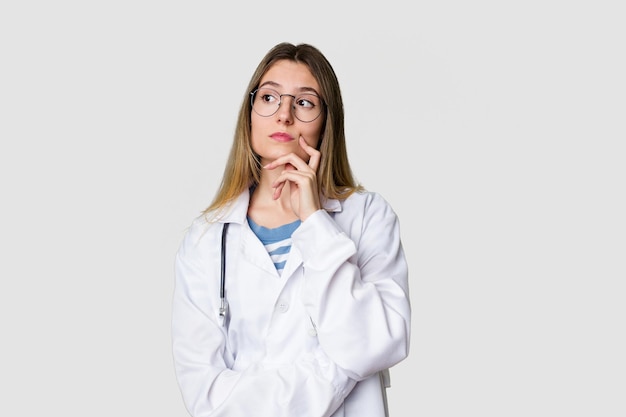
{"x":314,"y":154}
{"x":300,"y":178}
{"x":304,"y":184}
{"x":289,"y":161}
{"x":278,"y":190}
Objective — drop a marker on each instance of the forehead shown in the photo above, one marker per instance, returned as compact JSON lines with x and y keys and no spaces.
{"x":290,"y":75}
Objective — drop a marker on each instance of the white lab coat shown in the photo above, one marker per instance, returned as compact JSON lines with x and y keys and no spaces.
{"x":309,"y":343}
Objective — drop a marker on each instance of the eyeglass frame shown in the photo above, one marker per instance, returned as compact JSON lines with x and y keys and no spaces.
{"x":280,"y":101}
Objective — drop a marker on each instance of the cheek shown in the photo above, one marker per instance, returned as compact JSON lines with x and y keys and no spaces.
{"x":256,"y":129}
{"x":313,"y":135}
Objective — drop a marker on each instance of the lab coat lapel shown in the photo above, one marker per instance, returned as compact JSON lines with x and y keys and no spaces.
{"x":293,"y":263}
{"x":253,"y":251}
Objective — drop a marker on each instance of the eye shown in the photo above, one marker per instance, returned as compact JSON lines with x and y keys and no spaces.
{"x":268,"y":96}
{"x":307,"y":101}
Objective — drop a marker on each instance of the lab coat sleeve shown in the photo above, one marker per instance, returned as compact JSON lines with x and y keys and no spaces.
{"x":356,"y":286}
{"x":202,"y":362}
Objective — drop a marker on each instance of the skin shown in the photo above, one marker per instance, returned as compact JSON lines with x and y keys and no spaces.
{"x":287,"y":190}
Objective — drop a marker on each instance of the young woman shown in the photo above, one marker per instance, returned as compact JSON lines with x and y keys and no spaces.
{"x":291,"y":295}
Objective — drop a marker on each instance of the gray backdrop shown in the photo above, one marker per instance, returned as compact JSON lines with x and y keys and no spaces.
{"x":495,"y":129}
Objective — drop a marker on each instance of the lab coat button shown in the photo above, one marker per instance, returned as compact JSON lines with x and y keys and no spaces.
{"x":312,"y":332}
{"x":282,"y":306}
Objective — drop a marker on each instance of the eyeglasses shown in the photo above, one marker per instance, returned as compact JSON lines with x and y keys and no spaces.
{"x":306,"y":106}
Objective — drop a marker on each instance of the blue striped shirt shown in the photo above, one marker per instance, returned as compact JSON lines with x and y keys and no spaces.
{"x":277,"y":241}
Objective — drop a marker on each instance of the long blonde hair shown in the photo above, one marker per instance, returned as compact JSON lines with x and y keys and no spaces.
{"x":334,"y":175}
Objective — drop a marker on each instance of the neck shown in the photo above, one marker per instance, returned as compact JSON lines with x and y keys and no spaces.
{"x":266,"y":211}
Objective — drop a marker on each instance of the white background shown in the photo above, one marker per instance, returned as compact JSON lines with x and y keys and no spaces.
{"x":495,"y":129}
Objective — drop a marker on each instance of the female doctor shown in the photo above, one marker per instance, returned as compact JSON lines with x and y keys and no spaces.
{"x":291,"y":295}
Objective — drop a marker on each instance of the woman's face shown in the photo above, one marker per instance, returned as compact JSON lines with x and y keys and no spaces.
{"x":278,"y":134}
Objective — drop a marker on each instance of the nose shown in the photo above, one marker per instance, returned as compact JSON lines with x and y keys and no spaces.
{"x":286,"y":108}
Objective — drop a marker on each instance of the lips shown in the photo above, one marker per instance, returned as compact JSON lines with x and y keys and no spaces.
{"x":281,"y":137}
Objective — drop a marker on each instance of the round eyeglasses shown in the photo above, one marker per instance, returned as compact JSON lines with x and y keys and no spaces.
{"x":306,"y":106}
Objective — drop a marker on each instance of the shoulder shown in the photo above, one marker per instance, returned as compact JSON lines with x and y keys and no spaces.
{"x":367,"y":202}
{"x":362,"y":212}
{"x":199,"y":232}
{"x":199,"y":225}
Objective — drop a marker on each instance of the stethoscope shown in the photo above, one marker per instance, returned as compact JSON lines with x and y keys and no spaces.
{"x":223,"y":310}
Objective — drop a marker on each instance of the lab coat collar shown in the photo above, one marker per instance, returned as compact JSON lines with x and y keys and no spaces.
{"x":332,"y":206}
{"x":235,"y":212}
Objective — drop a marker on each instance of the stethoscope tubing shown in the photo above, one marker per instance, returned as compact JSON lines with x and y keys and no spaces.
{"x":223,"y":304}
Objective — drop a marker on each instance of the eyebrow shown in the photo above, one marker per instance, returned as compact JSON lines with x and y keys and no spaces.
{"x":300,"y":90}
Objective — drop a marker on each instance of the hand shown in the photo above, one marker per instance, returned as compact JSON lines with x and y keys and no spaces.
{"x":302,"y":179}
